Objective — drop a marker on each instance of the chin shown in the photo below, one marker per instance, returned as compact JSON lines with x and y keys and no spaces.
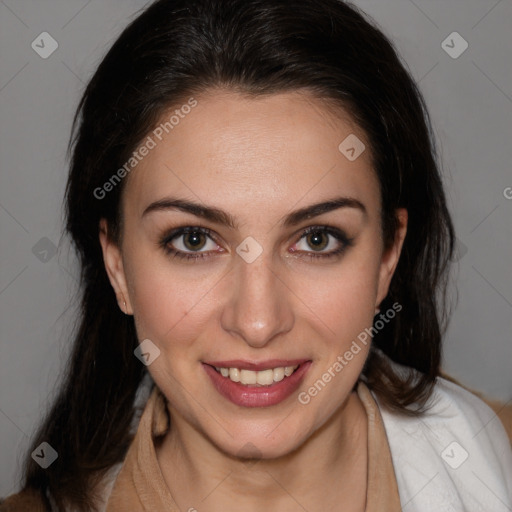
{"x":272,"y":441}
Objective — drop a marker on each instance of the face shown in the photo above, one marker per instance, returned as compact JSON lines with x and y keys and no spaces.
{"x":253,"y":245}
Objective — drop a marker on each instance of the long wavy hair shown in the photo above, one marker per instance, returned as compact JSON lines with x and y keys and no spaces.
{"x":176,"y":49}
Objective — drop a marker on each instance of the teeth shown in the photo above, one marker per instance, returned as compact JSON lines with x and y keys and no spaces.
{"x":265,"y":378}
{"x":261,"y":378}
{"x":288,"y":370}
{"x":234,"y":374}
{"x":248,"y":377}
{"x":278,"y":374}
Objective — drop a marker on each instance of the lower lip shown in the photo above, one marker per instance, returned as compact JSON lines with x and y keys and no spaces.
{"x":254,"y":396}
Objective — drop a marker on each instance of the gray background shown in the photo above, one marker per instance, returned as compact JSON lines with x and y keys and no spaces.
{"x":470,"y":100}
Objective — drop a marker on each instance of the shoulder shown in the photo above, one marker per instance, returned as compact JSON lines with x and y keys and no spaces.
{"x":454,"y":456}
{"x":33,"y":501}
{"x":24,"y":500}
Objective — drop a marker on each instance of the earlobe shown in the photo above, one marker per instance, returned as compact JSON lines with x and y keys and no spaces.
{"x":113,"y":262}
{"x":391,"y":256}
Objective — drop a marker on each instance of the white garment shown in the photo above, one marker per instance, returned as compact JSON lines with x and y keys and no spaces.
{"x":455,"y":458}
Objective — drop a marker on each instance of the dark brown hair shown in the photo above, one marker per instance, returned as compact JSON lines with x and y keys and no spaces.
{"x":179,"y":48}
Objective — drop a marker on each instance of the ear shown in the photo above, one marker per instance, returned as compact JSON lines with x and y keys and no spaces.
{"x":113,"y":261}
{"x":391,"y":256}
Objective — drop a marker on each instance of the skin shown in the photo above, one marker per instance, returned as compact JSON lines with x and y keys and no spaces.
{"x":257,"y":159}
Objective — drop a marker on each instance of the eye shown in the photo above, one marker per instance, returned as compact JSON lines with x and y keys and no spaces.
{"x":188,"y":242}
{"x":325,"y":241}
{"x":195,"y":242}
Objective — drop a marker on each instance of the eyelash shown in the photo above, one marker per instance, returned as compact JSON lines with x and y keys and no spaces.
{"x":339,"y":235}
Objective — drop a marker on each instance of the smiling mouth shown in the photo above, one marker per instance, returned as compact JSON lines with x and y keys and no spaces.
{"x":260,"y":378}
{"x":257,"y":383}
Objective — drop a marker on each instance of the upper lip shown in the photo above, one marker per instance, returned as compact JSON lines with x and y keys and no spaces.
{"x":255,"y":365}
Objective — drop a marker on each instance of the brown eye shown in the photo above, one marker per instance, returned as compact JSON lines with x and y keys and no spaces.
{"x":194,"y":241}
{"x":190,"y":243}
{"x":322,"y":242}
{"x":318,"y":240}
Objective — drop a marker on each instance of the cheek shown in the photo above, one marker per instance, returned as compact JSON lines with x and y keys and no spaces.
{"x":172,"y":304}
{"x":343,"y":297}
{"x":176,"y":303}
{"x":160,"y":299}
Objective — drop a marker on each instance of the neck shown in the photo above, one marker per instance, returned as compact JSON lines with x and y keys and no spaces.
{"x":327,"y":470}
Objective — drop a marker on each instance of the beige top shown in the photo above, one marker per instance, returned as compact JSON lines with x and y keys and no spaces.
{"x":140,"y":485}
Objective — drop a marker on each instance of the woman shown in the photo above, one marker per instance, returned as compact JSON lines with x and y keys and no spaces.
{"x":264,"y":240}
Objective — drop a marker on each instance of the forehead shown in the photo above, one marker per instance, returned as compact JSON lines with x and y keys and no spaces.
{"x":231,"y":149}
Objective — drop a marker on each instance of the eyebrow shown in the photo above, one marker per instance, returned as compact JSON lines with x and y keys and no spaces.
{"x":221,"y":217}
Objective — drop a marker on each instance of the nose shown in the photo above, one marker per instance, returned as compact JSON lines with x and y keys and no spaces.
{"x":260,"y":305}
